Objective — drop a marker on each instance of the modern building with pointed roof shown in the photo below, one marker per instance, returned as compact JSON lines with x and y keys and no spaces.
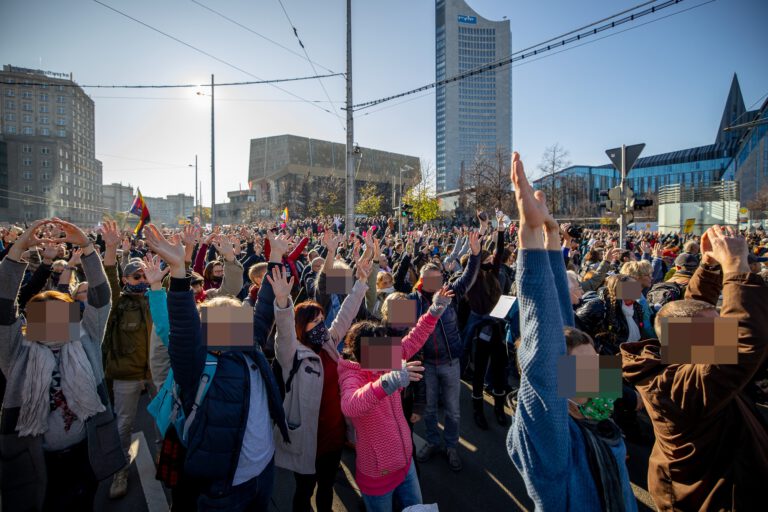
{"x":739,"y":153}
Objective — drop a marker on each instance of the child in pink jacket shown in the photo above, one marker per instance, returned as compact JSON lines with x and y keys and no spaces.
{"x":371,"y":400}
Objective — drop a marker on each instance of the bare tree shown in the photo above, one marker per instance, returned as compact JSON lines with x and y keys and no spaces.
{"x":553,"y":160}
{"x":758,"y":206}
{"x":491,"y":181}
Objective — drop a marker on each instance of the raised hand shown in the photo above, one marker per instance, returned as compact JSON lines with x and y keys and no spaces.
{"x":658,"y":250}
{"x":189,"y":235}
{"x":281,"y":285}
{"x":440,"y":301}
{"x":76,"y":257}
{"x":72,"y":233}
{"x":153,"y":273}
{"x":224,"y":247}
{"x":363,"y":269}
{"x":645,"y":247}
{"x":236,"y":244}
{"x":532,"y":207}
{"x":111,"y":234}
{"x":727,"y":247}
{"x":171,"y":251}
{"x":278,"y":247}
{"x":474,"y":243}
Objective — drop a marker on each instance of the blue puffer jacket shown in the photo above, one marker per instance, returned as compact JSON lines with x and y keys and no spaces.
{"x":216,"y":435}
{"x":445,"y":343}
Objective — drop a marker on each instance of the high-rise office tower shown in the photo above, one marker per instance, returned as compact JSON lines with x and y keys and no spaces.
{"x":474,"y":114}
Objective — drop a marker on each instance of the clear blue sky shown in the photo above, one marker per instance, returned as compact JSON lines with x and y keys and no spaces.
{"x":664,"y":84}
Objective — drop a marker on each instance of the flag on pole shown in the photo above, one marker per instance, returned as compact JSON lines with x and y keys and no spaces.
{"x":140,"y":209}
{"x":284,"y":215}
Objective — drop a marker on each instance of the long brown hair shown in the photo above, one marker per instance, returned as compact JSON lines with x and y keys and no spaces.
{"x":304,"y":314}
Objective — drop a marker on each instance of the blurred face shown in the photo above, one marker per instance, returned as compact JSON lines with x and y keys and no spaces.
{"x":755,"y":267}
{"x":645,"y":280}
{"x":575,"y":291}
{"x":317,"y":265}
{"x":431,"y":276}
{"x":582,"y":351}
{"x":218,"y":271}
{"x":58,"y":268}
{"x":197,"y":288}
{"x":383,"y":261}
{"x":386,"y":282}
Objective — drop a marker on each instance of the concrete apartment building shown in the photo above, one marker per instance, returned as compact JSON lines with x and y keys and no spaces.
{"x":475,"y":113}
{"x":162,"y":210}
{"x":47,"y":160}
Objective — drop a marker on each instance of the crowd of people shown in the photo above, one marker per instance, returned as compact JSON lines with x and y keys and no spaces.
{"x":257,"y":343}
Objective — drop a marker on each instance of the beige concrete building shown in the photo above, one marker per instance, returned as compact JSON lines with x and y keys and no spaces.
{"x":50,"y":168}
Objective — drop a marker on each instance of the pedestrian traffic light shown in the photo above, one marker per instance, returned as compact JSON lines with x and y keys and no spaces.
{"x":406,"y":210}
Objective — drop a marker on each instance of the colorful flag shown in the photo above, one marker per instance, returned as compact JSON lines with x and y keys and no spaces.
{"x":140,"y":209}
{"x":284,"y":215}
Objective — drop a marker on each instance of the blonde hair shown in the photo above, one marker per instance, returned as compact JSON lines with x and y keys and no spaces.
{"x":385,"y":305}
{"x":636,"y":269}
{"x":258,"y":270}
{"x":217,"y":302}
{"x":380,"y":279}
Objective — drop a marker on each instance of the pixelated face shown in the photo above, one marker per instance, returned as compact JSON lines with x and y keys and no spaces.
{"x":583,"y":374}
{"x":227,"y":328}
{"x":431,"y":281}
{"x":703,"y":339}
{"x":381,"y":354}
{"x":629,"y":290}
{"x":53,"y":321}
{"x":339,"y":281}
{"x":401,"y":313}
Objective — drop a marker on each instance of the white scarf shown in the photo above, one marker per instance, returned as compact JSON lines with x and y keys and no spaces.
{"x":78,"y":384}
{"x":629,"y":314}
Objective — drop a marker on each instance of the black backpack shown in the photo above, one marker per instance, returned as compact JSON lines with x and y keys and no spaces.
{"x":662,"y":293}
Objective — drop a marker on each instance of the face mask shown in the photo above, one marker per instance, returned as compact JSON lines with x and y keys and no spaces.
{"x":217,"y":280}
{"x":139,"y":288}
{"x":597,"y":408}
{"x":391,"y":289}
{"x":317,"y":336}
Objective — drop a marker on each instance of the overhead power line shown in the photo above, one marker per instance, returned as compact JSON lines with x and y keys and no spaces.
{"x":526,"y":53}
{"x":235,"y":22}
{"x":207,"y":54}
{"x":183,"y":86}
{"x":314,"y":70}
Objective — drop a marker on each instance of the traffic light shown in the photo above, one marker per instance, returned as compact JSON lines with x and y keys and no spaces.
{"x":642,"y":203}
{"x":406,"y":210}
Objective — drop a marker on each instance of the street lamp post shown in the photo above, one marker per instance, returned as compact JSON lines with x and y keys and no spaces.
{"x":400,"y":190}
{"x":194,"y":206}
{"x":213,"y":156}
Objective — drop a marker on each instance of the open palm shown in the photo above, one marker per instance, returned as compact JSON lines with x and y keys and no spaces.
{"x":171,"y":251}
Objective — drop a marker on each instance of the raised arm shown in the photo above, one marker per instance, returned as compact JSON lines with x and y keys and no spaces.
{"x":467,"y":279}
{"x":351,"y":305}
{"x":539,"y":441}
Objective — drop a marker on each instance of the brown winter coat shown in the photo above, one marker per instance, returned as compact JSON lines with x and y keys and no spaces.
{"x":711,"y":450}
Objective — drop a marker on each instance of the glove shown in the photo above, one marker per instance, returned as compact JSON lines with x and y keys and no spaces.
{"x":394,"y":380}
{"x":439,"y":304}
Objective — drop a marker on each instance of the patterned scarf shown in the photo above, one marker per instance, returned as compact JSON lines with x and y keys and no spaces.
{"x":78,"y":386}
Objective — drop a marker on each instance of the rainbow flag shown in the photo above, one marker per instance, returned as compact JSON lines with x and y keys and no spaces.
{"x":284,"y":215}
{"x":140,"y":209}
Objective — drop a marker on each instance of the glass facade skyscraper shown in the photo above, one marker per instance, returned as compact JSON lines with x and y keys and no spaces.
{"x":474,"y":114}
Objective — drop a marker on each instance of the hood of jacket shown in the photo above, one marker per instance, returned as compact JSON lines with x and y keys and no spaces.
{"x":641,"y":361}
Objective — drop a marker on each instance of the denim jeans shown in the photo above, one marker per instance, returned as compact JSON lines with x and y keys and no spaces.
{"x":253,"y":495}
{"x":443,"y":380}
{"x":407,"y":493}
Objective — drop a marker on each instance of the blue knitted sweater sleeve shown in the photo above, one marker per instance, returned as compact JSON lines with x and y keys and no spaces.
{"x":557,"y":265}
{"x":539,"y":441}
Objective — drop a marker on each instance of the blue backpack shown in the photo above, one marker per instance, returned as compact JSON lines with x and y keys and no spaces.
{"x":167,"y":409}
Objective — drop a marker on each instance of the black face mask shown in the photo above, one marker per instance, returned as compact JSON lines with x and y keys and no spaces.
{"x":487,"y":266}
{"x":217,"y":280}
{"x":317,"y":335}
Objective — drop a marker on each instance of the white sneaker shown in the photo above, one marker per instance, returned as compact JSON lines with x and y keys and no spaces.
{"x":119,"y":487}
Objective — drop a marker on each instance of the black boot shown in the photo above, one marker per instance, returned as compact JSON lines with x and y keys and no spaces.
{"x":498,"y":409}
{"x":477,"y":403}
